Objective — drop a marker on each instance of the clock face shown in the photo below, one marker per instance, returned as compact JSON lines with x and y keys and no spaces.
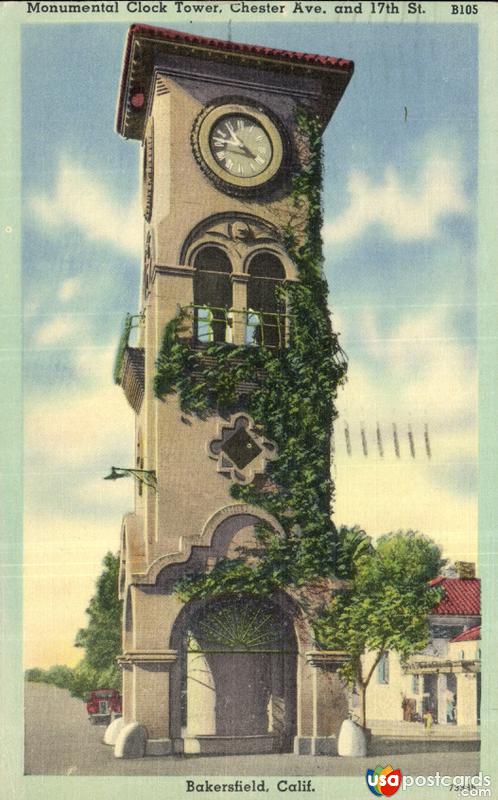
{"x":239,"y":147}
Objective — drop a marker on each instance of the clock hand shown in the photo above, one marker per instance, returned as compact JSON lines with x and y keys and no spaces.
{"x":235,"y":142}
{"x":241,"y":149}
{"x":234,"y":148}
{"x":248,"y":151}
{"x":235,"y":145}
{"x":232,"y":140}
{"x":233,"y":136}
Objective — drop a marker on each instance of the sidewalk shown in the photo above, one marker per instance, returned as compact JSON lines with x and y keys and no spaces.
{"x":416,"y":730}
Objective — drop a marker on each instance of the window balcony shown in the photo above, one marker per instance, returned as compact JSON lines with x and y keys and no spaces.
{"x":247,"y":327}
{"x":129,"y":366}
{"x":201,"y":326}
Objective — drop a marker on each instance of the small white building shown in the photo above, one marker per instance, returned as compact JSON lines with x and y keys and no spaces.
{"x":445,"y":678}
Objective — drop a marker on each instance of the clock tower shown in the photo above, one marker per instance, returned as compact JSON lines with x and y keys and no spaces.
{"x":231,"y":377}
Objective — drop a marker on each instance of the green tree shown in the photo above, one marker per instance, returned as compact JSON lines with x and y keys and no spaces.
{"x":386,"y":606}
{"x":101,"y":639}
{"x":35,"y":674}
{"x":85,"y":679}
{"x":59,"y":675}
{"x":353,"y":545}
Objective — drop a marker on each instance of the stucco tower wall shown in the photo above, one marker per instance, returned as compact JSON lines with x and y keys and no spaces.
{"x":183,"y":195}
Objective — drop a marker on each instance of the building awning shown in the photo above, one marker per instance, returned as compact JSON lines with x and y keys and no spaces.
{"x":435,"y":665}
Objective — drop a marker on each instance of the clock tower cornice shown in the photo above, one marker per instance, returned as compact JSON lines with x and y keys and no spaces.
{"x":149,"y":50}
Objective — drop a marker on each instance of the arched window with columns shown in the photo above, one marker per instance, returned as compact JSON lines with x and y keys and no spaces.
{"x":212,"y":293}
{"x":238,"y":264}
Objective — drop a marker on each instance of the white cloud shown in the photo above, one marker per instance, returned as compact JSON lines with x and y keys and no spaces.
{"x":80,"y":199}
{"x":74,"y":429}
{"x":406,"y":212}
{"x":69,"y":289}
{"x":418,"y":373}
{"x":94,"y":365}
{"x":425,"y":368}
{"x":57,"y":330}
{"x":401,"y":495}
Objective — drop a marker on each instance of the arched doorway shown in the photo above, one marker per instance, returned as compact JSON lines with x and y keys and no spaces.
{"x":237,"y":662}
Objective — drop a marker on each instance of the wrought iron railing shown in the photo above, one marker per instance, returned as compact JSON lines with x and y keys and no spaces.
{"x":131,"y":322}
{"x":211,"y":324}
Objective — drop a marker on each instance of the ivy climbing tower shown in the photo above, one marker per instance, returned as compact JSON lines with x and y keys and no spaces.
{"x":232,"y":378}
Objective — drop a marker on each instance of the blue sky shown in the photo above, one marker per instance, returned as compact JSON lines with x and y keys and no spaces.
{"x":399,"y":237}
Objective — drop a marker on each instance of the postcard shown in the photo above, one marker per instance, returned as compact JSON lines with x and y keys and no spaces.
{"x":249,"y":362}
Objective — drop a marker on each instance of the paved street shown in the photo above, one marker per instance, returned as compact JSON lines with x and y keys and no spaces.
{"x":61,"y":741}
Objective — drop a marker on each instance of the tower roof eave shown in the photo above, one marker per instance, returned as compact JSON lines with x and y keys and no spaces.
{"x":145,"y":43}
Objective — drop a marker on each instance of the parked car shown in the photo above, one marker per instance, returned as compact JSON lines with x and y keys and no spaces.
{"x":103,"y":705}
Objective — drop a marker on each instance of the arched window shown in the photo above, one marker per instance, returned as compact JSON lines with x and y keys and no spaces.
{"x":266,"y":273}
{"x":212,"y":294}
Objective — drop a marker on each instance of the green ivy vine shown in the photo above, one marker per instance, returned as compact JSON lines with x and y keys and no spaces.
{"x":292,"y":402}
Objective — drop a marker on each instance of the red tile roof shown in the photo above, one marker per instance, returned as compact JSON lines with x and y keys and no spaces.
{"x":470,"y":635}
{"x":462,"y":596}
{"x":137,"y":69}
{"x":238,"y":47}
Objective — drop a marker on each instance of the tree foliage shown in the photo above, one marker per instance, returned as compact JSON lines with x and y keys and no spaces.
{"x":35,"y":674}
{"x":101,"y":639}
{"x":58,"y":675}
{"x":85,"y":679}
{"x":386,"y":606}
{"x":353,"y":546}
